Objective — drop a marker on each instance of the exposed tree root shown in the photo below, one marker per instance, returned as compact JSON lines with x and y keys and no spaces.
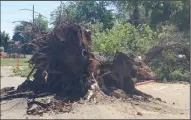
{"x":23,"y":95}
{"x":64,"y":66}
{"x":6,"y":89}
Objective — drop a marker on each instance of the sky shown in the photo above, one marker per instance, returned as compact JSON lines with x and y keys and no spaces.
{"x":10,"y":12}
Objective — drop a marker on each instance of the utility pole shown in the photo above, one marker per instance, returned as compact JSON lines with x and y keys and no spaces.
{"x":33,"y":21}
{"x":33,"y":14}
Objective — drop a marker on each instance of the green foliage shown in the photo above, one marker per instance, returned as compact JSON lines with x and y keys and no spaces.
{"x":175,"y":75}
{"x":170,"y":68}
{"x":25,"y":37}
{"x":180,"y":14}
{"x":154,"y":12}
{"x":41,"y":23}
{"x":84,"y":12}
{"x":178,"y":74}
{"x":19,"y":36}
{"x":4,"y":39}
{"x":124,"y":37}
{"x":23,"y":72}
{"x":13,"y":61}
{"x":20,"y":32}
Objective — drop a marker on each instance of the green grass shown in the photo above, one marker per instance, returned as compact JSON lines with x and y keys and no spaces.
{"x":21,"y":71}
{"x":13,"y":61}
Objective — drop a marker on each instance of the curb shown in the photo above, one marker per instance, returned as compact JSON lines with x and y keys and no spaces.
{"x":146,"y":82}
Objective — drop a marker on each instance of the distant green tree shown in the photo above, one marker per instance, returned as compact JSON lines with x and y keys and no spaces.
{"x":23,"y":31}
{"x":154,"y":12}
{"x":41,"y":23}
{"x":4,"y":39}
{"x":84,"y":12}
{"x":20,"y":30}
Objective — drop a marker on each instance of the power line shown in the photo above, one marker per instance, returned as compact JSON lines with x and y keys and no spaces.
{"x":5,"y":13}
{"x":34,"y":12}
{"x":19,"y":5}
{"x":25,"y":5}
{"x":12,"y":5}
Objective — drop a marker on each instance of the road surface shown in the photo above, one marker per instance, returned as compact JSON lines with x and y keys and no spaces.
{"x":176,"y":96}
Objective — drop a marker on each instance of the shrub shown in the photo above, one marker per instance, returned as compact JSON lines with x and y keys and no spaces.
{"x":21,"y":71}
{"x":126,"y":37}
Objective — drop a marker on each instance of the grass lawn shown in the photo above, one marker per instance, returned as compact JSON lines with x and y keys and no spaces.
{"x":13,"y":61}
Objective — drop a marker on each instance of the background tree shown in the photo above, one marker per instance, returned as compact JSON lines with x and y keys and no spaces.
{"x":84,"y":12}
{"x":154,"y":12}
{"x":22,"y":31}
{"x":4,"y":40}
{"x":42,"y":23}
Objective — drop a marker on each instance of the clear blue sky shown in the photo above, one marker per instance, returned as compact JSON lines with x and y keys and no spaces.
{"x":10,"y":12}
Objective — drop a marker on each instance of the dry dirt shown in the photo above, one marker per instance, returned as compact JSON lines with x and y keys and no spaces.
{"x":177,"y":106}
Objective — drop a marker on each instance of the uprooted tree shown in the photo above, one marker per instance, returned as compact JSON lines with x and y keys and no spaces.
{"x":65,"y":66}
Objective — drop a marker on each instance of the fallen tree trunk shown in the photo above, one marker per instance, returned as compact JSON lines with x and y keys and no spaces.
{"x":64,"y":66}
